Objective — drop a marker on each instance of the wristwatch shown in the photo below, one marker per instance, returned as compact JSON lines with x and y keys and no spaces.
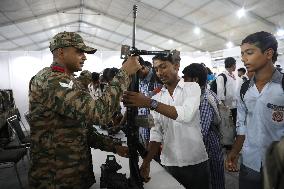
{"x":153,"y":104}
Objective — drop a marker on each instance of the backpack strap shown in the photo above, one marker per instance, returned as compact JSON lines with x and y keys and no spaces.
{"x":225,"y":81}
{"x":244,"y":88}
{"x":213,"y":103}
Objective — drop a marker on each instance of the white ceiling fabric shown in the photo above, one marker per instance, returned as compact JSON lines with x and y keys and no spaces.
{"x":161,"y":24}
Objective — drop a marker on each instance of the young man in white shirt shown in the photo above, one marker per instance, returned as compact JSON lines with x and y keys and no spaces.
{"x":227,"y":93}
{"x":260,"y":109}
{"x":177,"y":126}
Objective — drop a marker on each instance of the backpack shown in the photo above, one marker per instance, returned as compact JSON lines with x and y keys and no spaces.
{"x":245,"y":86}
{"x":222,"y":124}
{"x":213,"y":84}
{"x":273,"y":174}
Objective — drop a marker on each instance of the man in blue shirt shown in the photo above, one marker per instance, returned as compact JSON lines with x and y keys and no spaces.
{"x":260,"y":110}
{"x":149,"y":85}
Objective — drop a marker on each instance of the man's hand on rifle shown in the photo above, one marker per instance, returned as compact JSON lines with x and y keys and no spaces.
{"x":122,"y":150}
{"x":134,"y":99}
{"x":132,"y":65}
{"x":145,"y":171}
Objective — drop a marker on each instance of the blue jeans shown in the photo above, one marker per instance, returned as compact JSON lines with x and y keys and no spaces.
{"x":249,"y":178}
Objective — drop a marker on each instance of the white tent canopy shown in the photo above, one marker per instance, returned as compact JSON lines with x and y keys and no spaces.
{"x":186,"y":25}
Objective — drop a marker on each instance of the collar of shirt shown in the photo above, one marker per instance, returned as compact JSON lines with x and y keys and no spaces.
{"x":276,"y":78}
{"x":230,"y":74}
{"x":180,"y":85}
{"x":57,"y":67}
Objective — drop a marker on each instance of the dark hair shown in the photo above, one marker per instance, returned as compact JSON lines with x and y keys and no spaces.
{"x":242,"y":70}
{"x":264,"y":41}
{"x":146,"y":63}
{"x":95,"y":76}
{"x":196,"y":70}
{"x":229,"y":62}
{"x":109,"y":73}
{"x":208,"y":71}
{"x":173,"y":58}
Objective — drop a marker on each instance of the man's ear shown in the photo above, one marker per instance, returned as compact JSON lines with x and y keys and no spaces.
{"x":269,"y":53}
{"x":58,"y":52}
{"x":176,"y":66}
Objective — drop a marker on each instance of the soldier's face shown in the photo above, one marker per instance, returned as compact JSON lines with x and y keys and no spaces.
{"x":73,"y":59}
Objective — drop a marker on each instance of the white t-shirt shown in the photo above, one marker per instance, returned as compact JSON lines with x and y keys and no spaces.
{"x":181,"y":138}
{"x":232,"y":86}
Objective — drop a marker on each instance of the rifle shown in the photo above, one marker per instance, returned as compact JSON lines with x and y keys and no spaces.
{"x":132,"y":130}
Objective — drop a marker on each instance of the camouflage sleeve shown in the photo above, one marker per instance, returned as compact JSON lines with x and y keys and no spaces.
{"x":59,"y":95}
{"x":100,"y":141}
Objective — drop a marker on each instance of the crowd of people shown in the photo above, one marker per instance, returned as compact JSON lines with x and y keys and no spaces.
{"x":187,"y":134}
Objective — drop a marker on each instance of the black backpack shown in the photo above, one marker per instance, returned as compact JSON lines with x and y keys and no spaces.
{"x":213,"y":84}
{"x":245,"y":86}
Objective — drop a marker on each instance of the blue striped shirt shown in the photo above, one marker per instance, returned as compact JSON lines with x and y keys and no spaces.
{"x":146,"y":88}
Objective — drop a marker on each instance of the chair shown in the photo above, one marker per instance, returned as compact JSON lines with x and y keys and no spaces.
{"x":12,"y":157}
{"x":15,"y":125}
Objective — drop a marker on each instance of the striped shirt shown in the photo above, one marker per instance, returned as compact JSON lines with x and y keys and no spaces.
{"x":212,"y":140}
{"x":146,"y":87}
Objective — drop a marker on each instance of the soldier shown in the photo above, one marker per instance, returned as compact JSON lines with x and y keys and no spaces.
{"x":62,"y":113}
{"x":85,"y":78}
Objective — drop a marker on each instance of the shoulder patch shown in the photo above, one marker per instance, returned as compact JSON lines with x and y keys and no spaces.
{"x":69,"y":85}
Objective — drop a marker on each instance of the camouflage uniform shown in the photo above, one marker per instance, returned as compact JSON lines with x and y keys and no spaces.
{"x":61,"y":135}
{"x":85,"y":78}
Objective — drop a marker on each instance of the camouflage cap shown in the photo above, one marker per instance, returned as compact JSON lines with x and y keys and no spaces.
{"x":85,"y":77}
{"x":70,"y":39}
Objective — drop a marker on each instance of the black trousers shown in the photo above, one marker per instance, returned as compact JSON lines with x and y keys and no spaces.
{"x":192,"y":176}
{"x":249,"y":178}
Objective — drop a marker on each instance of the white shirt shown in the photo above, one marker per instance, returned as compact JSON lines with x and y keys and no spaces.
{"x":231,"y":89}
{"x":260,"y":118}
{"x":181,"y":138}
{"x":94,"y":92}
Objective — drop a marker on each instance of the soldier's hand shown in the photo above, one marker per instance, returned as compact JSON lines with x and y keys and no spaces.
{"x":231,"y":162}
{"x":122,"y":150}
{"x":135,"y":99}
{"x":145,"y":171}
{"x":131,"y":65}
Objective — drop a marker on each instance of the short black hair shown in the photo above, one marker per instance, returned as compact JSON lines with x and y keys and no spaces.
{"x":229,"y":62}
{"x":208,"y":71}
{"x":95,"y":76}
{"x":242,"y":70}
{"x":109,"y":73}
{"x":196,"y":70}
{"x":173,"y":58}
{"x":263,"y":40}
{"x":146,"y":63}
